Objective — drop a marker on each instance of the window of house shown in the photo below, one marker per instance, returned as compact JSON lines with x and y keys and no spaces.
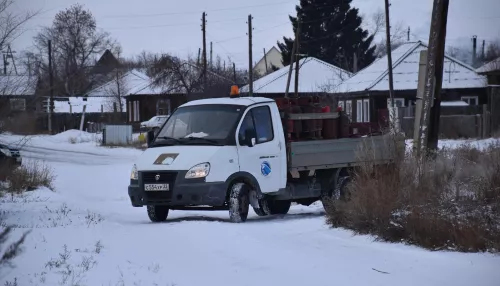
{"x":348,"y":109}
{"x":366,"y":110}
{"x":398,"y":102}
{"x":136,"y":111}
{"x":163,"y":107}
{"x":359,"y":110}
{"x":471,"y":100}
{"x":18,"y":104}
{"x":341,"y":105}
{"x":130,"y":111}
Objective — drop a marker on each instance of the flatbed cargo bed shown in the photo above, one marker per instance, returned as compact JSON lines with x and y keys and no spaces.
{"x":344,"y":152}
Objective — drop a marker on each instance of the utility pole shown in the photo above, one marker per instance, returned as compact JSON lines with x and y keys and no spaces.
{"x":297,"y":58}
{"x":265,"y":59}
{"x":408,"y":34}
{"x":389,"y":56}
{"x":292,"y":57}
{"x":211,"y":63}
{"x":51,"y":87}
{"x":474,"y":50}
{"x":203,"y":28}
{"x":250,"y":66}
{"x":199,"y":54}
{"x":234,"y":72}
{"x":428,"y":128}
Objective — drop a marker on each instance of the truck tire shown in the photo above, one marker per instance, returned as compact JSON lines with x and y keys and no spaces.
{"x":239,"y":202}
{"x":278,"y":207}
{"x":157,"y":213}
{"x":263,"y":210}
{"x":335,"y":192}
{"x":340,"y":191}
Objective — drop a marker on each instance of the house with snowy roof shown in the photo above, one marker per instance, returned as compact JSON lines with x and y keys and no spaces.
{"x":131,"y":94}
{"x":315,"y":77}
{"x":17,"y":94}
{"x":491,"y":70}
{"x":365,"y":95}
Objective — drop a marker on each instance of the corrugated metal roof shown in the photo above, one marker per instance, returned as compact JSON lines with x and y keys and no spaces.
{"x":17,"y":85}
{"x":494,"y":65}
{"x":314,"y":76}
{"x":457,"y":75}
{"x":133,"y":82}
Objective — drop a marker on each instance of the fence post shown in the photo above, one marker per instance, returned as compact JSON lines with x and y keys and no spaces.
{"x":485,"y":124}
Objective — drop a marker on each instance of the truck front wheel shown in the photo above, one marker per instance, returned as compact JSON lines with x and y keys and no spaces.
{"x":239,"y":202}
{"x":157,"y":213}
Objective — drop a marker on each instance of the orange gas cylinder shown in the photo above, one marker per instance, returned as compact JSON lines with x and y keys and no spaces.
{"x":297,"y":124}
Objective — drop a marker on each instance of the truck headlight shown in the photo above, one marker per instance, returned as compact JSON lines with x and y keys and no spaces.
{"x":6,"y":152}
{"x":198,"y":171}
{"x":134,"y":175}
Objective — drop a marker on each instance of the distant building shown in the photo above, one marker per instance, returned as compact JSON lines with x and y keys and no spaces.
{"x":366,"y":94}
{"x":273,"y":58}
{"x":492,"y":71}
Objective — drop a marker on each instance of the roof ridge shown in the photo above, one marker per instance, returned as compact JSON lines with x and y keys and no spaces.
{"x":274,"y":79}
{"x":305,"y":61}
{"x":395,"y":64}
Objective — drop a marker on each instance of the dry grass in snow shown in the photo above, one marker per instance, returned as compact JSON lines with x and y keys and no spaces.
{"x":452,"y":202}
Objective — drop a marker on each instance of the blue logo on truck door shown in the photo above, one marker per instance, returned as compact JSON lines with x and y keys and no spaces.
{"x":265,"y":168}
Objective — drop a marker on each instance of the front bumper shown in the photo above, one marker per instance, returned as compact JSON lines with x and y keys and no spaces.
{"x":183,"y":192}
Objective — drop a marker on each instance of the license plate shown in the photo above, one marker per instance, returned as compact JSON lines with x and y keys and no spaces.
{"x":156,"y":187}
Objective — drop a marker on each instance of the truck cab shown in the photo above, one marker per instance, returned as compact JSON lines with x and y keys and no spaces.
{"x":231,"y":154}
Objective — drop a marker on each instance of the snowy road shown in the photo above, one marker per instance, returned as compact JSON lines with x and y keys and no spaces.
{"x":201,"y":248}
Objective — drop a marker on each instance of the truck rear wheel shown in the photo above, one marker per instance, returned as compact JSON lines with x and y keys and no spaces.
{"x":263,"y":210}
{"x":239,"y":202}
{"x":336,"y":192}
{"x":278,"y":207}
{"x":157,"y":213}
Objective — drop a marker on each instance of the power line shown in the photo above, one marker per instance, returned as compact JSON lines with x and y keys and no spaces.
{"x":198,"y":12}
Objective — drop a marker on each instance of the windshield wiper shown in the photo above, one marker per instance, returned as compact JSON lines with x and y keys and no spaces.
{"x":203,"y":139}
{"x":168,"y":138}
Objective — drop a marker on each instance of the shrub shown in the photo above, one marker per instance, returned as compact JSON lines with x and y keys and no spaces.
{"x":450,"y":202}
{"x":31,"y":175}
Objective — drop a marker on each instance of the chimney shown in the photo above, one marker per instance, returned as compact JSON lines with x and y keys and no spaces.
{"x":474,"y":50}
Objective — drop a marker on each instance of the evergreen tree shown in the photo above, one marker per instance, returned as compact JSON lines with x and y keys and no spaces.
{"x":330,"y":31}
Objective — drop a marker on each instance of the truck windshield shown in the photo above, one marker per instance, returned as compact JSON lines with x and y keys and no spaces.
{"x":200,"y":124}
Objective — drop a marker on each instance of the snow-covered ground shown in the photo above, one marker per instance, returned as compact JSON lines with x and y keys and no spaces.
{"x":87,"y":232}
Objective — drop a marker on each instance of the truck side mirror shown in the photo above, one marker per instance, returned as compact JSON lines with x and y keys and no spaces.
{"x":150,"y":136}
{"x":250,"y":136}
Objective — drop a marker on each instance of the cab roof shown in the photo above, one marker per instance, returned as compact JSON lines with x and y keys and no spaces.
{"x":244,"y":101}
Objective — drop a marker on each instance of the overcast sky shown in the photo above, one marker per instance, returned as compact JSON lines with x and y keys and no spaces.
{"x":162,"y":26}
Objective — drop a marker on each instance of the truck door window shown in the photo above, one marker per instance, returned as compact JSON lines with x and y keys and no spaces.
{"x":246,"y":124}
{"x":263,"y":124}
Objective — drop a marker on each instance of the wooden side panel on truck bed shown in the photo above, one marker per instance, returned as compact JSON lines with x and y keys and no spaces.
{"x":344,"y":152}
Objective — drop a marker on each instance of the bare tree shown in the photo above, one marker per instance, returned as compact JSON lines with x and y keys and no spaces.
{"x":118,"y":90}
{"x":76,"y":43}
{"x":11,"y":24}
{"x":492,"y":51}
{"x":376,"y":23}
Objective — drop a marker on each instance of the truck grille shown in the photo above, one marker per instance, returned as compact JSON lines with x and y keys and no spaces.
{"x":165,"y":177}
{"x":160,"y":196}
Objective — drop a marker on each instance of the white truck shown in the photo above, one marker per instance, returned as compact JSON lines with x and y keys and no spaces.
{"x":232,"y":153}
